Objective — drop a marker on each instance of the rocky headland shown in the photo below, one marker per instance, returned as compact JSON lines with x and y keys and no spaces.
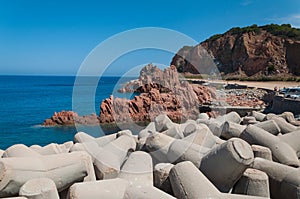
{"x":270,"y":50}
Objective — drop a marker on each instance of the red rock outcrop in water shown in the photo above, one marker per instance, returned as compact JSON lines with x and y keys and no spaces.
{"x":179,"y":103}
{"x":70,"y":118}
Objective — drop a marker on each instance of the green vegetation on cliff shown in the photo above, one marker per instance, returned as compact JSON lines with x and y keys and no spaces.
{"x":285,"y":31}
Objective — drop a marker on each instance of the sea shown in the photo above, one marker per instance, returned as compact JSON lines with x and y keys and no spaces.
{"x":26,"y":101}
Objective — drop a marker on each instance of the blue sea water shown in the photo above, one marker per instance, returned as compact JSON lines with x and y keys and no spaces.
{"x":26,"y":101}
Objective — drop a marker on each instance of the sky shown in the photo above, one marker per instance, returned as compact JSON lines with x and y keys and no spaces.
{"x":54,"y":37}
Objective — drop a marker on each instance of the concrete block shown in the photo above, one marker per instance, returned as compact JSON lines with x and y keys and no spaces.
{"x":145,"y":193}
{"x":39,"y":188}
{"x":181,"y":150}
{"x":112,"y":189}
{"x":174,"y":132}
{"x":226,"y":163}
{"x":20,"y":150}
{"x":230,"y":117}
{"x":189,"y":183}
{"x":231,"y":129}
{"x":281,"y":151}
{"x":262,"y":152}
{"x":253,"y":183}
{"x":162,"y":123}
{"x":158,"y":146}
{"x":63,"y":169}
{"x":202,"y":137}
{"x":259,"y":116}
{"x":203,"y":116}
{"x":138,"y":169}
{"x":284,"y":126}
{"x":292,"y":139}
{"x":284,"y":180}
{"x":109,"y":159}
{"x":270,"y":126}
{"x":161,"y":177}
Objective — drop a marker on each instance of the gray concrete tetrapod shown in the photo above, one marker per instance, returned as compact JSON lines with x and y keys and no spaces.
{"x":259,"y":116}
{"x":189,"y":183}
{"x":53,"y":149}
{"x":284,"y":126}
{"x":109,"y":159}
{"x":20,"y":150}
{"x":138,"y":169}
{"x":270,"y":126}
{"x":82,"y":137}
{"x":174,"y":132}
{"x":63,"y":169}
{"x":161,"y":177}
{"x":112,"y":188}
{"x":158,"y":145}
{"x":226,"y":163}
{"x":231,"y":129}
{"x":202,"y":137}
{"x":39,"y":188}
{"x":162,"y":123}
{"x":281,"y":151}
{"x":181,"y":150}
{"x":249,"y":120}
{"x":284,"y":180}
{"x":192,"y":127}
{"x":230,"y":117}
{"x":261,"y":152}
{"x":253,"y":183}
{"x":147,"y":192}
{"x":292,"y":139}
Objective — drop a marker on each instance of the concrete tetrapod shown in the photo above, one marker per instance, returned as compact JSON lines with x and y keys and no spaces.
{"x":261,"y":152}
{"x":112,"y":188}
{"x":253,"y":183}
{"x":202,"y":137}
{"x":82,"y":137}
{"x":181,"y":150}
{"x":270,"y":126}
{"x":63,"y":169}
{"x":174,"y":132}
{"x":189,"y":183}
{"x":163,"y":122}
{"x":39,"y":188}
{"x":145,"y":193}
{"x":158,"y":145}
{"x":281,"y":151}
{"x":109,"y":159}
{"x":231,"y":129}
{"x":161,"y":177}
{"x":284,"y":126}
{"x":20,"y":150}
{"x":230,"y":117}
{"x":284,"y":180}
{"x":259,"y":116}
{"x":292,"y":139}
{"x":138,"y":169}
{"x":226,"y":163}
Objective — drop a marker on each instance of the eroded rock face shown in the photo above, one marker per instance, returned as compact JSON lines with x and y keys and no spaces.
{"x":249,"y":53}
{"x":292,"y":56}
{"x":70,"y":118}
{"x":162,"y":92}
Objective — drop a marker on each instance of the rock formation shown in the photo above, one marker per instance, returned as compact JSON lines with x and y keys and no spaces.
{"x":70,"y":118}
{"x":161,"y":92}
{"x":253,"y":50}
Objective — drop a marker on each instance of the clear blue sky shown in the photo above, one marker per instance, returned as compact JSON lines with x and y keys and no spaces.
{"x":54,"y":37}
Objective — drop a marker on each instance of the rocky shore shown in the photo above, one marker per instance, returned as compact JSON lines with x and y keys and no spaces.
{"x":161,"y":91}
{"x":256,"y":156}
